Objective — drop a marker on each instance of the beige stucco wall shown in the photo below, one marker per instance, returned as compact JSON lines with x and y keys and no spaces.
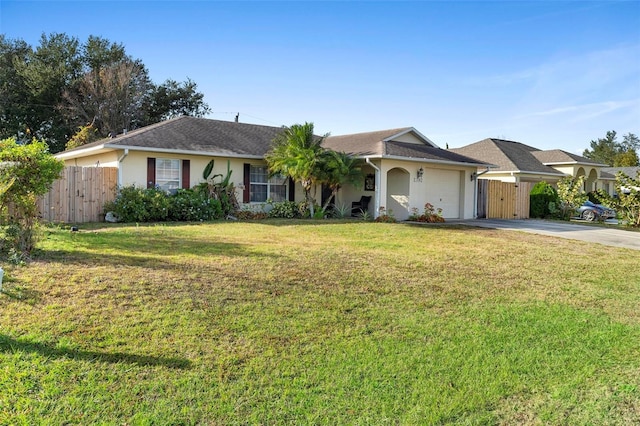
{"x":409,"y":138}
{"x":133,"y":171}
{"x":133,"y":168}
{"x":419,"y":192}
{"x":566,"y":169}
{"x":107,"y":159}
{"x":503,"y":177}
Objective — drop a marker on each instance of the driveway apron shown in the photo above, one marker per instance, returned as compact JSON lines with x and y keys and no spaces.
{"x":592,"y":234}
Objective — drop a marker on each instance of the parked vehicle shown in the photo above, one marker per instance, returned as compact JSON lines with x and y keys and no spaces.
{"x":590,"y":211}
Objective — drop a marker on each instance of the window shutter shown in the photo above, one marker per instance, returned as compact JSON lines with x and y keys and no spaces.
{"x":292,"y":190}
{"x":186,"y":173}
{"x":246,"y":194}
{"x":151,"y":172}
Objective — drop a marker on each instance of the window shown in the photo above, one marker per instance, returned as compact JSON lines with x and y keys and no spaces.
{"x":264,"y":188}
{"x":167,"y":174}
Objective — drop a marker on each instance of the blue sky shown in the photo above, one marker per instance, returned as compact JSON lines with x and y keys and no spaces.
{"x":551,"y":74}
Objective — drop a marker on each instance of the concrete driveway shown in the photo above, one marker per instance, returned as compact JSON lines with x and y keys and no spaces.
{"x":571,"y":230}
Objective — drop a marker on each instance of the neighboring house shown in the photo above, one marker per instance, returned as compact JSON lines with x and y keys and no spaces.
{"x":518,"y":162}
{"x":611,"y":172}
{"x":404,"y":169}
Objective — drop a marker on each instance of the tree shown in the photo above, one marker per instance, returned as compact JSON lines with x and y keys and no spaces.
{"x":110,"y":96}
{"x":628,"y":157}
{"x":30,"y":170}
{"x":609,"y":151}
{"x":339,"y":169}
{"x":52,"y":90}
{"x":84,"y":135}
{"x":14,"y":99}
{"x":571,"y":195}
{"x":47,"y":71}
{"x":627,"y":201}
{"x":172,"y":99}
{"x":298,"y":153}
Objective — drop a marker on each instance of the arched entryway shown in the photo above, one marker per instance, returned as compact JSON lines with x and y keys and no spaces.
{"x":398,"y":193}
{"x":590,"y":182}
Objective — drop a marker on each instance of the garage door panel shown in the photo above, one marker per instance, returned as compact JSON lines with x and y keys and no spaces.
{"x":443,"y":191}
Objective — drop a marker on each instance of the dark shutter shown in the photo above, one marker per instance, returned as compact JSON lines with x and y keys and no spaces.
{"x":246,"y":194}
{"x":292,"y":190}
{"x":186,"y":173}
{"x":151,"y":172}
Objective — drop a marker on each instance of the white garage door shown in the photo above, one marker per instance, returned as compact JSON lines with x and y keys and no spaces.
{"x":443,"y":191}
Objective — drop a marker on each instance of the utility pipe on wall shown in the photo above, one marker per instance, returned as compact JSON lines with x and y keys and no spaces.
{"x":377,"y":191}
{"x":120,"y":160}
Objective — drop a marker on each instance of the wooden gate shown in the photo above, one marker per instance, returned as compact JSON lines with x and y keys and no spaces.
{"x":79,"y":195}
{"x":503,"y":200}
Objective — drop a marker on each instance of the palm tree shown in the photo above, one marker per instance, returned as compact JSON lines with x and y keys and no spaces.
{"x":340,"y":169}
{"x":298,"y":153}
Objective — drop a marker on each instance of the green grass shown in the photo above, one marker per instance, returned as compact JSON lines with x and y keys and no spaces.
{"x":303,"y":322}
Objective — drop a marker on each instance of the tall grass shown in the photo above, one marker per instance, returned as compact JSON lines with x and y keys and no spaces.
{"x":319,"y":322}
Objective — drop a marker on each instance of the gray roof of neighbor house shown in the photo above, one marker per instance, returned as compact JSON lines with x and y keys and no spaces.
{"x":632,"y":172}
{"x":197,"y":135}
{"x":382,"y":144}
{"x":507,"y":155}
{"x":558,"y":156}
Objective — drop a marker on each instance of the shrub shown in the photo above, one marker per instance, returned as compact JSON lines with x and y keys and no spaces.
{"x":430,"y":215}
{"x":385,"y":216}
{"x":154,"y":205}
{"x":129,"y":205}
{"x":627,"y":201}
{"x":26,"y":171}
{"x":570,"y":195}
{"x":341,"y":211}
{"x":285,"y":210}
{"x":193,"y":205}
{"x":541,"y":196}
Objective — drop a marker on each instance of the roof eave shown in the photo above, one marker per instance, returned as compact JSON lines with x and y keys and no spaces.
{"x":426,"y":160}
{"x":188,"y":152}
{"x":411,"y":130}
{"x":573,"y":163}
{"x":107,"y":147}
{"x":513,"y":172}
{"x":66,"y":155}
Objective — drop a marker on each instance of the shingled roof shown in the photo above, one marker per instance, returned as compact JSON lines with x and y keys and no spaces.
{"x":558,"y":156}
{"x":632,"y":172}
{"x":507,"y":155}
{"x":230,"y":139}
{"x":382,"y":144}
{"x":198,"y":135}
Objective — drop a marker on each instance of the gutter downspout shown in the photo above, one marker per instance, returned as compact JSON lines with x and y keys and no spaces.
{"x":120,"y":160}
{"x":475,"y":191}
{"x":377,"y":192}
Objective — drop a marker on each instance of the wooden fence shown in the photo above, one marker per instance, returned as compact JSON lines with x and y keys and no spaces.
{"x":503,"y":200}
{"x":79,"y":195}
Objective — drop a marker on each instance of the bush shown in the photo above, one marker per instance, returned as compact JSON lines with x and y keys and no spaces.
{"x":541,"y":196}
{"x":193,"y":205}
{"x":154,"y":205}
{"x":430,"y":214}
{"x":26,"y":171}
{"x":285,"y":210}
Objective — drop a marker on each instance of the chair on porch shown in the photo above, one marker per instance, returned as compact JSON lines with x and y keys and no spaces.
{"x":359,"y":207}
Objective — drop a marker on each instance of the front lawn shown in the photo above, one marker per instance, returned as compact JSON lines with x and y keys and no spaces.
{"x":303,"y":322}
